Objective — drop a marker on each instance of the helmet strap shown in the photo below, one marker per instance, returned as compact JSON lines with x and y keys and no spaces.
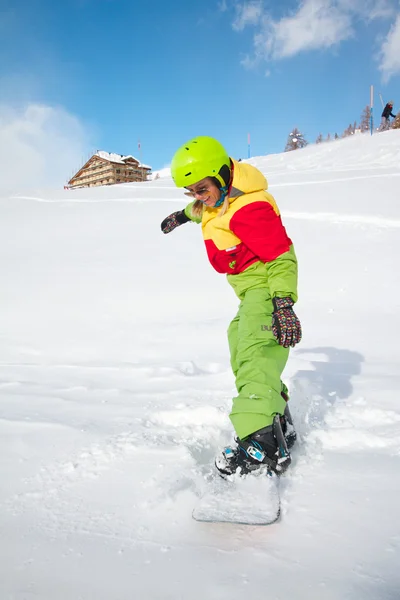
{"x":220,"y":180}
{"x":224,"y":193}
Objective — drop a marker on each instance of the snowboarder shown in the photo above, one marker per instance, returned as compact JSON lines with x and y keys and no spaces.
{"x":245,"y":239}
{"x":386,"y":114}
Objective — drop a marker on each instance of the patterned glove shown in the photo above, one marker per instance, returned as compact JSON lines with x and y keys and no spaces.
{"x":174,"y":220}
{"x":286,"y":326}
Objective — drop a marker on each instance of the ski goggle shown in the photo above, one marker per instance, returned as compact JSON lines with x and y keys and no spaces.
{"x":200,"y":192}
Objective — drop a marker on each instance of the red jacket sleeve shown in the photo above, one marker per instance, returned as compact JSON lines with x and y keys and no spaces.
{"x":259,"y":227}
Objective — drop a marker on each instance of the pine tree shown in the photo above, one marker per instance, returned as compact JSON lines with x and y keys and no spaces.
{"x":348,"y":131}
{"x":319,"y":139}
{"x":295,"y":141}
{"x":396,"y":122}
{"x":365,"y":121}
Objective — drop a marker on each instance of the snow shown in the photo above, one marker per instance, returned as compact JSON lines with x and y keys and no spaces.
{"x":164,"y":172}
{"x":115,"y":387}
{"x":246,"y":501}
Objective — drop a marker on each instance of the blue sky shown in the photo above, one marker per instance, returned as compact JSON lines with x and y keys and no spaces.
{"x":162,"y":72}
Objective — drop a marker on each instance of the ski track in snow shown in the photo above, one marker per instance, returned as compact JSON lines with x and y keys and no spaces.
{"x":344,"y":219}
{"x":333,"y":181}
{"x":186,"y":434}
{"x":325,"y":217}
{"x":179,"y":429}
{"x":171,"y":188}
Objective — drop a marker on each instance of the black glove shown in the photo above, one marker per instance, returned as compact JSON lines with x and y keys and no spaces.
{"x":174,"y":220}
{"x":286,"y":326}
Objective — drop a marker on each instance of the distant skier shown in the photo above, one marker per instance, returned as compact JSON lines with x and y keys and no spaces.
{"x":386,"y":114}
{"x":245,"y":239}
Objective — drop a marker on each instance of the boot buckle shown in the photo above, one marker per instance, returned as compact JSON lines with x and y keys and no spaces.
{"x":255,"y":453}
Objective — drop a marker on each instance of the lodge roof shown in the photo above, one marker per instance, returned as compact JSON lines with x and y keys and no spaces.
{"x":119,"y":158}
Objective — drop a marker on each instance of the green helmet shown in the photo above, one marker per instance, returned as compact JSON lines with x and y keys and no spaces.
{"x":199,"y":158}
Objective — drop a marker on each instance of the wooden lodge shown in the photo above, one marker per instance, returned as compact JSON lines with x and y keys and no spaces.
{"x":104,"y":168}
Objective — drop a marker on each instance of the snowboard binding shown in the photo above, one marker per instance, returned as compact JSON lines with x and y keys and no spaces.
{"x":266,"y":450}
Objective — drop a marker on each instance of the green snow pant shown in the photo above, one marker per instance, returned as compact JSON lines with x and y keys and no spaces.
{"x":257,"y":362}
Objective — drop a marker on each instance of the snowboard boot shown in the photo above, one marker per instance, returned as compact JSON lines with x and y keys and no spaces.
{"x":288,"y":428}
{"x":265,"y":450}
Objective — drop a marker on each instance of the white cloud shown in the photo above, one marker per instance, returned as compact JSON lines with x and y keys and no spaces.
{"x":248,"y":13}
{"x":312,"y":25}
{"x":382,"y":9}
{"x":40,"y":146}
{"x":390,"y":52}
{"x":369,"y":10}
{"x":317,"y":24}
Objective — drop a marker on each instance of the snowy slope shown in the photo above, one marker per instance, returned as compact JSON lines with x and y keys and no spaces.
{"x":115,"y":387}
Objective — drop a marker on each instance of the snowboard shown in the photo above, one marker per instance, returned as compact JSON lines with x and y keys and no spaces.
{"x":251,"y":500}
